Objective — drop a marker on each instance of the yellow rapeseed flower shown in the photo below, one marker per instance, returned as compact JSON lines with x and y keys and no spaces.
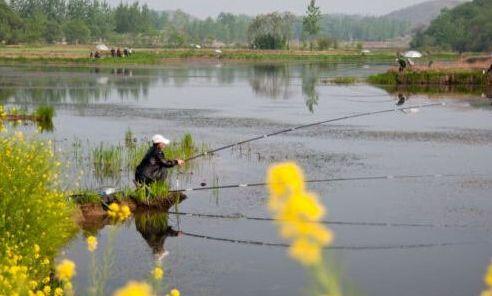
{"x":285,"y":178}
{"x":174,"y":292}
{"x":157,"y":273}
{"x":488,"y":276}
{"x":305,"y":251}
{"x":65,"y":270}
{"x":58,"y":292}
{"x":134,"y":289}
{"x":91,"y":243}
{"x":298,"y":213}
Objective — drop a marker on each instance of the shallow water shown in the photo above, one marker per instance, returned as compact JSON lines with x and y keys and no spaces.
{"x":224,"y":103}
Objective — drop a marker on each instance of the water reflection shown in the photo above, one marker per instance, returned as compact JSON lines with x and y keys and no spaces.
{"x":84,"y":86}
{"x":155,"y":229}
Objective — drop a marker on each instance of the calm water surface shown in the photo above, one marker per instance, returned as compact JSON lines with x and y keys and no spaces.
{"x":224,"y":103}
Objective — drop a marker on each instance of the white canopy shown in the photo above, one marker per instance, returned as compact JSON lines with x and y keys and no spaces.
{"x":102,"y":47}
{"x":412,"y":54}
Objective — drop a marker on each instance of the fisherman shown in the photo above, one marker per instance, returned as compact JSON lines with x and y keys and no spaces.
{"x":154,"y":165}
{"x":402,"y":63}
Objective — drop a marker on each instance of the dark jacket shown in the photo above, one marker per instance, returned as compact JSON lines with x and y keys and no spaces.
{"x":153,"y":166}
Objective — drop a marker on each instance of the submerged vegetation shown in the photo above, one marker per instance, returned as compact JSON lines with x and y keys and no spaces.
{"x":42,"y":116}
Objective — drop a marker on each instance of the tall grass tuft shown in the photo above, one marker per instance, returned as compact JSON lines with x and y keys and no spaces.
{"x":35,"y":218}
{"x":107,"y":161}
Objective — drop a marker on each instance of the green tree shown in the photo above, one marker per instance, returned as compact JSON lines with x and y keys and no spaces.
{"x":270,"y":31}
{"x":76,"y":31}
{"x":467,"y":27}
{"x":311,"y":22}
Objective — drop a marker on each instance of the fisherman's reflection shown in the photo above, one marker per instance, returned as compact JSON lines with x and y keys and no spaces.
{"x":401,"y":99}
{"x":154,"y":227}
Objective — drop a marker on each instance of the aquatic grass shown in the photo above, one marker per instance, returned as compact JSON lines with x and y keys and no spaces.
{"x":35,"y":217}
{"x":430,"y":77}
{"x":107,"y":160}
{"x":344,"y":80}
{"x":44,"y":113}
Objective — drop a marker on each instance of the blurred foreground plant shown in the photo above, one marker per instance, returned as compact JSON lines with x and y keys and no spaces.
{"x":35,"y":218}
{"x":298,"y":214}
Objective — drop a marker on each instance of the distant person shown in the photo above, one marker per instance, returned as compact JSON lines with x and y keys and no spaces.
{"x":118,"y":52}
{"x":431,"y":62}
{"x":154,"y":165}
{"x":113,"y":52}
{"x":92,"y":54}
{"x":402,"y":64}
{"x":125,"y":52}
{"x":130,"y":51}
{"x":97,"y":55}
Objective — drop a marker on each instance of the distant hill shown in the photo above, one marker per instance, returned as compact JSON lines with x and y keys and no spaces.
{"x":423,"y":13}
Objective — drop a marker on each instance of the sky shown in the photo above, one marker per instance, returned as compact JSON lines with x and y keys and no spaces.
{"x":205,"y":8}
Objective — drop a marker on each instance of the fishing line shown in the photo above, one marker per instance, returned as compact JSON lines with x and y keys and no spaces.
{"x":364,"y":178}
{"x":362,"y":114}
{"x":335,"y":247}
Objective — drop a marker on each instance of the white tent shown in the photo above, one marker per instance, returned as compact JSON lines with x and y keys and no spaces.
{"x":412,"y":54}
{"x":102,"y":47}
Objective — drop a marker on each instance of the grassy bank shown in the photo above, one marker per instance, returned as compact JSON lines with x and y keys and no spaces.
{"x":80,"y":55}
{"x":444,"y":77}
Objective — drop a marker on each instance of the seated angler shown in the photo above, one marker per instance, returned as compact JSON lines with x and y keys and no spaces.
{"x":154,"y":165}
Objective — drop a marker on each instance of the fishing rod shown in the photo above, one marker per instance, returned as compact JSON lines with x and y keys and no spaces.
{"x":363,"y":178}
{"x":335,"y":247}
{"x":327,"y":222}
{"x":362,"y":114}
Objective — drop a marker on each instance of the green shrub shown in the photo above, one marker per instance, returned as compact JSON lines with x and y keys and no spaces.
{"x":35,"y":217}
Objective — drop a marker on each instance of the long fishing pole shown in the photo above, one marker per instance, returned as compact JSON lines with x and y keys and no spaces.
{"x":368,"y":178}
{"x":334,"y":247}
{"x":362,"y":114}
{"x":327,"y":222}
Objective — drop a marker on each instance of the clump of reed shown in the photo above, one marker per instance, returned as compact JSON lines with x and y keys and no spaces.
{"x":344,"y":80}
{"x":430,"y":77}
{"x":35,"y":217}
{"x":107,"y":160}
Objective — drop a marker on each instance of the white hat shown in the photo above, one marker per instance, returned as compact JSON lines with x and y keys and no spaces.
{"x":160,"y":139}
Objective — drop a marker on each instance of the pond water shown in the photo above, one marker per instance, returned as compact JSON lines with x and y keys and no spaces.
{"x":224,"y":103}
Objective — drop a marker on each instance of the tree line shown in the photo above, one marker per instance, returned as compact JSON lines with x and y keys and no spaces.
{"x":467,"y":27}
{"x":83,"y":21}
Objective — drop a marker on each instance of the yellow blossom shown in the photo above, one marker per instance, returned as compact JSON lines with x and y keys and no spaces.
{"x":285,"y":178}
{"x":298,"y":213}
{"x":305,"y":251}
{"x":157,"y":273}
{"x":58,"y":292}
{"x":488,"y":276}
{"x":134,"y":289}
{"x":91,"y":243}
{"x":65,"y":270}
{"x":174,"y":292}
